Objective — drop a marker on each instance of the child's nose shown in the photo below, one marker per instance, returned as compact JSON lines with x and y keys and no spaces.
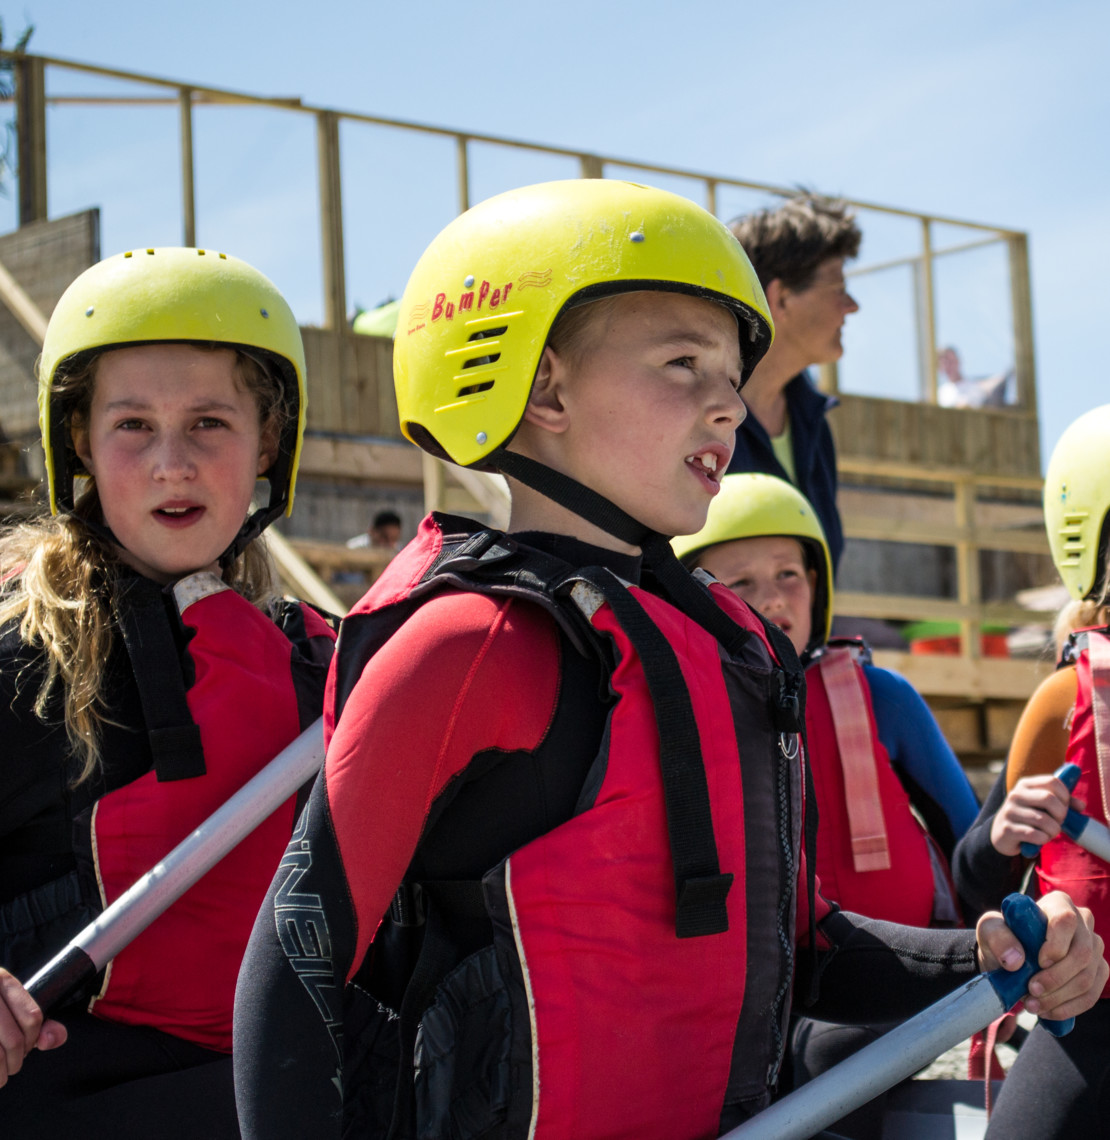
{"x":173,"y":460}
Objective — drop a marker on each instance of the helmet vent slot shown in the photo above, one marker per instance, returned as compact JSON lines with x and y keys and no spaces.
{"x":471,"y":389}
{"x":476,"y":361}
{"x":485,"y":334}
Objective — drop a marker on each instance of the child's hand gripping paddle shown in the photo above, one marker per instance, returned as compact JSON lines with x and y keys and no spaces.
{"x":1087,"y":832}
{"x":912,"y":1045}
{"x":91,"y":950}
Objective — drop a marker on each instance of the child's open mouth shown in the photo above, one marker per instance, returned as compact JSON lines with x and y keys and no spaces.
{"x":178,"y":514}
{"x":705,"y":464}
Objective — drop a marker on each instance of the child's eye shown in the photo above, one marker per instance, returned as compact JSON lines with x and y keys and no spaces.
{"x":682,"y":362}
{"x":130,"y":425}
{"x":211,"y":422}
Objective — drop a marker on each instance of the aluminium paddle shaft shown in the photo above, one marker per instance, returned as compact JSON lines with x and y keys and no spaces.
{"x":91,"y":950}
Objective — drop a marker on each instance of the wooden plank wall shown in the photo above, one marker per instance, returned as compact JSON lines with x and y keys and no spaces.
{"x":350,"y":383}
{"x":995,"y":441}
{"x":44,"y":257}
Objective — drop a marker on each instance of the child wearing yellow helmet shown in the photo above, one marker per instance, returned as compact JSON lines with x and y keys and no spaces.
{"x":148,"y":669}
{"x":882,"y":769}
{"x":1059,"y":1086}
{"x":552,"y":880}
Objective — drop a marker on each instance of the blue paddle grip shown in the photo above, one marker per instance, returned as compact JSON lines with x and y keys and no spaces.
{"x":1074,"y":821}
{"x":1028,"y":922}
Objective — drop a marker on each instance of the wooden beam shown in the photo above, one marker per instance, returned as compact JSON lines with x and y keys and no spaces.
{"x":379,"y":461}
{"x":15,"y":298}
{"x":188,"y":197}
{"x":30,"y":96}
{"x":331,"y":220}
{"x":910,"y":607}
{"x":993,"y":678}
{"x":296,"y":573}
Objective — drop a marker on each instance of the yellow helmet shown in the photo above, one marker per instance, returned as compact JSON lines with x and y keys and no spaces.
{"x":752,"y":505}
{"x":482,"y":299}
{"x":1077,"y":500}
{"x":149,"y":296}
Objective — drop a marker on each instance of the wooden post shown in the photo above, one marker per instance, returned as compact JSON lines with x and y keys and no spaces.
{"x":967,"y":568}
{"x":828,"y":378}
{"x":926,"y":322}
{"x":591,"y":166}
{"x":711,"y":195}
{"x":1021,"y":304}
{"x":434,"y":483}
{"x":30,"y":102}
{"x":331,"y":220}
{"x":463,"y":167}
{"x":188,"y":197}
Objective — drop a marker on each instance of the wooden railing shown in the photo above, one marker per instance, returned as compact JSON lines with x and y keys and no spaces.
{"x":32,"y":100}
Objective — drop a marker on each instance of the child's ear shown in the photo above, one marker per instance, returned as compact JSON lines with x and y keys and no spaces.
{"x":268,"y":446}
{"x":546,"y":407}
{"x":79,"y":436}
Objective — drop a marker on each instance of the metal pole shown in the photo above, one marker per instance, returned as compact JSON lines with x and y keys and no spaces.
{"x":913,"y":1044}
{"x":188,"y":200}
{"x":91,"y":950}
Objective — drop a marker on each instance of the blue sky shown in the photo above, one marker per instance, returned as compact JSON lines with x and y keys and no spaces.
{"x":989,"y":111}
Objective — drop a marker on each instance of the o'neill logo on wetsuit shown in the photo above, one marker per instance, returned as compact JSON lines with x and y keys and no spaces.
{"x":302,"y":929}
{"x":472,"y":301}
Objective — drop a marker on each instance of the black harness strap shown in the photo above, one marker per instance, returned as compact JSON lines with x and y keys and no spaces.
{"x":700,"y":886}
{"x":140,"y":610}
{"x":791,"y":717}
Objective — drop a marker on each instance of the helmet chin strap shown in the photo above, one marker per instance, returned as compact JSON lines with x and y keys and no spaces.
{"x":676,"y":581}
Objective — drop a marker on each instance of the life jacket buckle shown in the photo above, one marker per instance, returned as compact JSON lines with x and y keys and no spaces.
{"x":407,"y":908}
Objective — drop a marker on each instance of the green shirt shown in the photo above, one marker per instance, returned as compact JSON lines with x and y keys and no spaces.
{"x":783,"y":447}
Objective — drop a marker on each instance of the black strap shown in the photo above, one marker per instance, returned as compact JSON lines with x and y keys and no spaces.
{"x":575,"y":496}
{"x":701,"y":889}
{"x":175,"y":744}
{"x":791,"y":717}
{"x":688,"y":595}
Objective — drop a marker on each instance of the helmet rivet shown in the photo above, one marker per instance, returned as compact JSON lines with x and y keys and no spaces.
{"x":481,"y":437}
{"x":468,"y":281}
{"x":264,"y":313}
{"x":636,"y":235}
{"x":89,"y":311}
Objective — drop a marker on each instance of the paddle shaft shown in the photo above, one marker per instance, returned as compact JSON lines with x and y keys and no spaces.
{"x":91,"y":950}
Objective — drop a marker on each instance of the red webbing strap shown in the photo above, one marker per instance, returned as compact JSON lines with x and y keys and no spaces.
{"x":843,"y":686}
{"x":982,"y":1059}
{"x":1098,"y":654}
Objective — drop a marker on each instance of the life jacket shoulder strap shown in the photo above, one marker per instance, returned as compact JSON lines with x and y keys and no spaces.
{"x":1097,"y":644}
{"x":140,"y":608}
{"x":843,"y":681}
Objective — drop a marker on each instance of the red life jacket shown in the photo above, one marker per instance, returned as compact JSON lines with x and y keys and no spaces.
{"x":874,"y":856}
{"x":179,"y":974}
{"x":1064,"y":865}
{"x":638,"y":983}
